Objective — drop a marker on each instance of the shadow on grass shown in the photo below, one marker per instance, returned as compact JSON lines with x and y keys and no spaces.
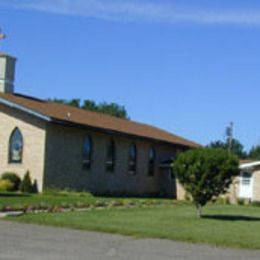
{"x":231,"y":217}
{"x":12,"y":194}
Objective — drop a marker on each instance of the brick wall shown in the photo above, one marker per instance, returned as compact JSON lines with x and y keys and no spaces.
{"x":53,"y":155}
{"x":256,"y":186}
{"x":64,"y":163}
{"x":33,"y":131}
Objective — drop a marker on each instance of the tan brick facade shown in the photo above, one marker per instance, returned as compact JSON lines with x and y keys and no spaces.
{"x":33,"y":131}
{"x":53,"y":155}
{"x":256,"y":185}
{"x":64,"y":164}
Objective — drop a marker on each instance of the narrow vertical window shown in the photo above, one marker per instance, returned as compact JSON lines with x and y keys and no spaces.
{"x":87,"y":152}
{"x":132,"y":159}
{"x":16,"y":146}
{"x":151,"y":162}
{"x":111,"y":156}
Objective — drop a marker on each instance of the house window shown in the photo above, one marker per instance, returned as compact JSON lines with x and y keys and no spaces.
{"x":246,"y":178}
{"x":16,"y":146}
{"x":151,"y":162}
{"x":87,"y":152}
{"x":111,"y":156}
{"x":132,"y":159}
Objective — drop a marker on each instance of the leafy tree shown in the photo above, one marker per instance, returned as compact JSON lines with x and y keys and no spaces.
{"x":205,"y":173}
{"x":218,"y":144}
{"x":254,"y":153}
{"x":112,"y":109}
{"x":74,"y":102}
{"x":89,"y":105}
{"x":57,"y":100}
{"x":26,"y":184}
{"x":237,"y":148}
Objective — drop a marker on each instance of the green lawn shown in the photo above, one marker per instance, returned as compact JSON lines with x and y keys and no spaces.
{"x":66,"y":199}
{"x":227,"y":226}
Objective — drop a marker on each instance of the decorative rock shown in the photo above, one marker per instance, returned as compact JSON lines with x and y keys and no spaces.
{"x":11,"y":214}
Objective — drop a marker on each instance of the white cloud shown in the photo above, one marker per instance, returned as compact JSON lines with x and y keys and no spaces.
{"x":138,"y":10}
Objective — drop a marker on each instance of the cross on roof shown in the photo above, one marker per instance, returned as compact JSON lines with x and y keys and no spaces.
{"x":2,"y":35}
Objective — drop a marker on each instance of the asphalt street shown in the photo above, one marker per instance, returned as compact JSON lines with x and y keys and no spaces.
{"x":24,"y":241}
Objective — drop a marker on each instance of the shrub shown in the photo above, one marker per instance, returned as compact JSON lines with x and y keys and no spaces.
{"x":223,"y":200}
{"x":205,"y":173}
{"x":26,"y":184}
{"x":13,"y":178}
{"x":241,"y":202}
{"x":6,"y":185}
{"x":256,"y":203}
{"x":34,"y":187}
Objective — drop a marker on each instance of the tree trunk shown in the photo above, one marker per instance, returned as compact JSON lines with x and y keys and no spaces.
{"x":199,"y":210}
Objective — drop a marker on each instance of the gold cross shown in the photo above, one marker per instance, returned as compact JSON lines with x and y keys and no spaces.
{"x":2,"y":35}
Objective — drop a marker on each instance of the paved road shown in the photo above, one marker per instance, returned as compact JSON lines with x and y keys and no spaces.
{"x":21,"y":241}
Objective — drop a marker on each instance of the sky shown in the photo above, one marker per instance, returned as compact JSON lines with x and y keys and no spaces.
{"x":189,"y":67}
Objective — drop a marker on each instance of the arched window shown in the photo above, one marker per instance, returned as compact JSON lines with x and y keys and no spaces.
{"x":87,"y":152}
{"x":151,"y":161}
{"x":111,"y":156}
{"x":16,"y":146}
{"x":132,"y":159}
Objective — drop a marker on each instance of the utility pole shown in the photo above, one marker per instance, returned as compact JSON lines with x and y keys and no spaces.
{"x":229,"y":134}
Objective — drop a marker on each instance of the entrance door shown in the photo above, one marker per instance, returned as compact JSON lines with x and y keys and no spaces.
{"x":246,"y":185}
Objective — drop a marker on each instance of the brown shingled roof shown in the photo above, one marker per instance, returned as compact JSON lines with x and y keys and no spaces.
{"x":72,"y":115}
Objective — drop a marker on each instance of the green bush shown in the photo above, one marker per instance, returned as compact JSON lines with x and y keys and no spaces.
{"x":205,"y":173}
{"x":34,"y":187}
{"x":6,"y":185}
{"x":13,"y":178}
{"x":26,"y":184}
{"x":241,"y":202}
{"x":256,"y":203}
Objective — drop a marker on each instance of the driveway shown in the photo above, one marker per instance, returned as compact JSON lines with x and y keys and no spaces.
{"x":22,"y":241}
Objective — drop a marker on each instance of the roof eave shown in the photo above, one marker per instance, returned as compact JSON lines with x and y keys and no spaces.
{"x":118,"y":133}
{"x":24,"y":109}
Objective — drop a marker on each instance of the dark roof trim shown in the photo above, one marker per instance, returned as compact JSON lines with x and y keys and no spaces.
{"x":24,"y":109}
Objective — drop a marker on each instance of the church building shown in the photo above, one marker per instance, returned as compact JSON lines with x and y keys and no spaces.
{"x":70,"y":148}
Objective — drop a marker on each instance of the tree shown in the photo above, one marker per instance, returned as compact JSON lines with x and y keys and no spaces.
{"x":89,"y":105}
{"x":254,"y":153}
{"x":75,"y":102}
{"x":26,"y":184}
{"x":218,"y":144}
{"x":112,"y":109}
{"x":205,"y":173}
{"x":236,"y":148}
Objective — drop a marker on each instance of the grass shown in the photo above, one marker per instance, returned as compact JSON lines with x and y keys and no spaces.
{"x":16,"y":201}
{"x":222,"y":225}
